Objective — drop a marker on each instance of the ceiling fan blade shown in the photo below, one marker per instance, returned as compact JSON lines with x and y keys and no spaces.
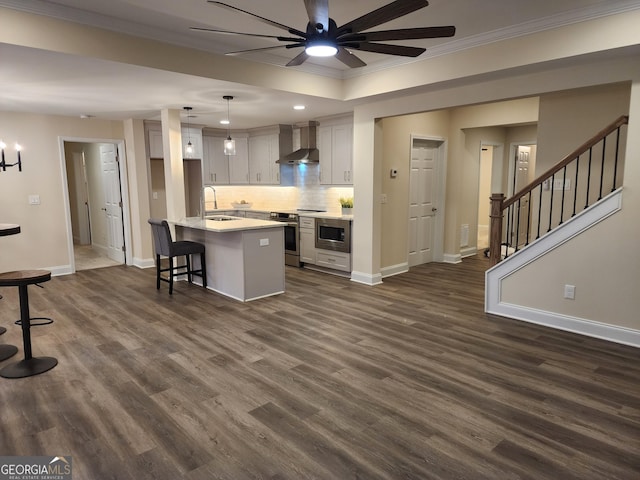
{"x":318,"y":11}
{"x":228,"y":32}
{"x":388,"y":49}
{"x":298,"y":59}
{"x":238,"y":52}
{"x":403,"y":34}
{"x":384,"y":14}
{"x":291,"y":30}
{"x":349,"y":59}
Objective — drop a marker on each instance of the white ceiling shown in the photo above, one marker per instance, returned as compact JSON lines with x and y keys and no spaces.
{"x":45,"y":82}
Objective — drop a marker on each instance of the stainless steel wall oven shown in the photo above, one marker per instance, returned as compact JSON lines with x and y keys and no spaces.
{"x":291,"y":237}
{"x":333,"y":234}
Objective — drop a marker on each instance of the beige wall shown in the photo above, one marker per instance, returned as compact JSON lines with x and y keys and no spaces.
{"x":43,"y":242}
{"x":464,"y":129}
{"x":396,"y":154}
{"x":601,"y":263}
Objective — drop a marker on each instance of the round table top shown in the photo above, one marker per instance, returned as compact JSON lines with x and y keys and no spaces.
{"x":24,"y":277}
{"x":9,"y":229}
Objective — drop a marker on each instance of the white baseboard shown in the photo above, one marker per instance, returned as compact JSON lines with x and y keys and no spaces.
{"x":567,"y":323}
{"x":366,"y":278}
{"x":452,"y":258}
{"x":468,"y":252}
{"x":394,"y":270}
{"x":59,"y":270}
{"x":144,"y":262}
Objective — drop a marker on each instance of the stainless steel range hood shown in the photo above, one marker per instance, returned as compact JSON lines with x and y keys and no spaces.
{"x":308,"y":152}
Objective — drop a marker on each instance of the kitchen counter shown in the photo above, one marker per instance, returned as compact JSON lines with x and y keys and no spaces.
{"x":232,"y":224}
{"x":333,"y":216}
{"x":244,"y":256}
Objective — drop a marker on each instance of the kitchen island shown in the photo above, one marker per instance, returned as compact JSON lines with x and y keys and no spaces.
{"x":244,"y":256}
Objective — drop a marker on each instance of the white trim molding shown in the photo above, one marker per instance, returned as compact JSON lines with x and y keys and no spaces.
{"x":366,"y":278}
{"x":540,"y":247}
{"x":452,"y":258}
{"x":394,"y":269}
{"x":143,"y":262}
{"x":590,"y":328}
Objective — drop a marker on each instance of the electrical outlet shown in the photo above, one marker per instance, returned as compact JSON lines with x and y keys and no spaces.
{"x":34,"y":199}
{"x":264,"y":242}
{"x":570,"y":292}
{"x":383,"y":198}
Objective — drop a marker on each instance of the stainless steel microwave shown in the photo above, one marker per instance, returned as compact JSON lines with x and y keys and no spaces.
{"x":333,"y":234}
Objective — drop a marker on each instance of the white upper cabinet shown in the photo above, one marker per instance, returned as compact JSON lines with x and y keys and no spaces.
{"x":259,"y":160}
{"x":239,"y":163}
{"x":215,"y":162}
{"x":336,"y":154}
{"x":155,"y":143}
{"x":265,"y":150}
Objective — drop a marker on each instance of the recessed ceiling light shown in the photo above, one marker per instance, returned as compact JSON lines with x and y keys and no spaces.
{"x":224,"y":122}
{"x":299,"y":107}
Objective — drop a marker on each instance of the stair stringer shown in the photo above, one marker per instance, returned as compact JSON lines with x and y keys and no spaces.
{"x":537,"y":249}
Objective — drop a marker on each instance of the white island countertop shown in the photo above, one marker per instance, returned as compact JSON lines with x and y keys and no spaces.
{"x":233,"y":224}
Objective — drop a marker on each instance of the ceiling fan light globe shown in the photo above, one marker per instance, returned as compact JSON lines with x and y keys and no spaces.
{"x":321,"y":48}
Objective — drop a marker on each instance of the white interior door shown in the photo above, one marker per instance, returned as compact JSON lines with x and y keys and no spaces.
{"x":524,"y":164}
{"x":422,"y":205}
{"x":112,"y":202}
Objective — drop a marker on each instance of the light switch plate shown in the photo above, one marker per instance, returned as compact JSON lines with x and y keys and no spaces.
{"x":570,"y":292}
{"x":264,"y":242}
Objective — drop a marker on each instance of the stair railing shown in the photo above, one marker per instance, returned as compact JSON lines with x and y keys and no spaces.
{"x":592,"y":168}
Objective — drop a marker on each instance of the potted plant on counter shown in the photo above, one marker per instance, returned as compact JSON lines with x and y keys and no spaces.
{"x":347,"y":205}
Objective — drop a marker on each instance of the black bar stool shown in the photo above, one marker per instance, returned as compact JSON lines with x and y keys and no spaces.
{"x":164,"y":245}
{"x":7,"y":351}
{"x":30,"y":365}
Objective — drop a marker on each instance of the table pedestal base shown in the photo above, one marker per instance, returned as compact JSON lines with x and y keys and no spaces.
{"x":27,"y":368}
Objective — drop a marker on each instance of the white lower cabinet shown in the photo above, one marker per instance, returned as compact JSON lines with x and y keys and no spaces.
{"x":335,"y":260}
{"x":307,"y":240}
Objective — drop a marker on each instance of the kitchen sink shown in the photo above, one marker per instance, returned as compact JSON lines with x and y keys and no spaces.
{"x":221,"y":218}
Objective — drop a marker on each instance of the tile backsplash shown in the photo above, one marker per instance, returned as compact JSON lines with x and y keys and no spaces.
{"x":307,"y":192}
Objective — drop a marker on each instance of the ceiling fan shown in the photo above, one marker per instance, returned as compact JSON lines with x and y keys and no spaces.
{"x":322,"y":36}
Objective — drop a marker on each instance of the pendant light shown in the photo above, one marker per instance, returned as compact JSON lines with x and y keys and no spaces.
{"x":188,"y":150}
{"x":229,"y":143}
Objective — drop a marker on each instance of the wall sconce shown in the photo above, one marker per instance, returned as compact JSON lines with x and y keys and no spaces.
{"x":4,"y":164}
{"x":229,"y":143}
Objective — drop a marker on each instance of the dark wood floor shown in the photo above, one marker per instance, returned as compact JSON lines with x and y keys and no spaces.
{"x":332,"y":380}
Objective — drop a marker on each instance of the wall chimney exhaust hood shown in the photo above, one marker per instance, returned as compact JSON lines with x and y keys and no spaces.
{"x":308,"y":152}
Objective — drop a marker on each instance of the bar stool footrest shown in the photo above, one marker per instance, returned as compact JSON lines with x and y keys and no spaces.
{"x":37,"y":321}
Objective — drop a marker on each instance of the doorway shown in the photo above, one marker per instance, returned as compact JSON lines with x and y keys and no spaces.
{"x":425,"y":200}
{"x":484,"y":194}
{"x":522,"y":167}
{"x":96,"y":204}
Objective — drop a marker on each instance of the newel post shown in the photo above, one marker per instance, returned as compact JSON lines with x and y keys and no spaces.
{"x":495,"y":229}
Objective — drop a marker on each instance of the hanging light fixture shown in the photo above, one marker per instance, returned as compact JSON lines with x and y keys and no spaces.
{"x":188,"y":150}
{"x":229,"y":143}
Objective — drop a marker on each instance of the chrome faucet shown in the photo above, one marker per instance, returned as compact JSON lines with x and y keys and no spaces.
{"x":204,"y":201}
